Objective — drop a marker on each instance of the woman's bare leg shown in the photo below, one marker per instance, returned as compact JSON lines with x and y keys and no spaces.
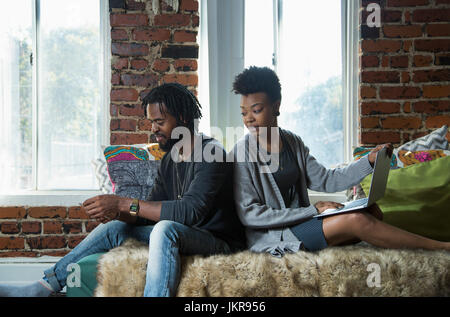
{"x":345,"y":228}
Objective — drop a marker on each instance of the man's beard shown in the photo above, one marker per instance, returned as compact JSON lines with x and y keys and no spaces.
{"x":167,"y":147}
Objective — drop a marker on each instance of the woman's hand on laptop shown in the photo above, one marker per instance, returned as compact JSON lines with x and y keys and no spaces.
{"x":321,"y":206}
{"x":373,"y":153}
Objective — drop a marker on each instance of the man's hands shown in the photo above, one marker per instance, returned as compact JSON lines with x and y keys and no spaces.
{"x":321,"y":206}
{"x":104,"y":208}
{"x":373,"y":153}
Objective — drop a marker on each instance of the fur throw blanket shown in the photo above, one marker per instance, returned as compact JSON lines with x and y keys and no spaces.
{"x":358,"y":270}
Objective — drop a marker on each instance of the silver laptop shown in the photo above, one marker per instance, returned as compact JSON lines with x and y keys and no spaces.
{"x":377,"y":187}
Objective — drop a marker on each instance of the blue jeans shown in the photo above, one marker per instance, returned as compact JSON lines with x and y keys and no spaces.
{"x":167,"y":241}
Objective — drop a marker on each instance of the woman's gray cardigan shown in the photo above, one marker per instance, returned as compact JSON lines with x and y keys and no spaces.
{"x":260,"y":205}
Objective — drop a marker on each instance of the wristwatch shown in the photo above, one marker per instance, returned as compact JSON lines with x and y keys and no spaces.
{"x":134,"y":207}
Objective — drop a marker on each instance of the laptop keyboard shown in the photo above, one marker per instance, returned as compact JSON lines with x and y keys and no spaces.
{"x":354,"y":203}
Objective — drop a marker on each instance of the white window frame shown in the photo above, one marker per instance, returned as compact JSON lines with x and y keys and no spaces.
{"x":222,"y":30}
{"x":66,"y":197}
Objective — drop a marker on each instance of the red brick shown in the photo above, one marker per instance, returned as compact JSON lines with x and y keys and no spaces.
{"x":161,"y":65}
{"x":12,"y":212}
{"x":385,"y":61}
{"x":185,"y":36}
{"x":442,"y":59}
{"x":52,"y":227}
{"x":367,"y":92}
{"x":77,"y":213}
{"x":442,"y":2}
{"x":421,"y":76}
{"x":380,"y":77}
{"x":91,"y":225}
{"x":47,"y":212}
{"x":432,"y":106}
{"x":401,"y":122}
{"x":132,"y":110}
{"x":436,"y":91}
{"x":123,"y":125}
{"x":113,"y":110}
{"x":120,"y":63}
{"x":371,"y":108}
{"x":399,"y":92}
{"x":8,"y":243}
{"x":46,"y":242}
{"x":381,"y":46}
{"x":438,"y":29}
{"x":369,"y":61}
{"x":139,"y":80}
{"x":183,"y":79}
{"x":9,"y":227}
{"x":437,"y":121}
{"x":387,"y":16}
{"x":60,"y":253}
{"x":406,"y":3}
{"x":31,"y":227}
{"x":405,"y":78}
{"x":72,"y":227}
{"x":128,"y":138}
{"x":119,"y":34}
{"x":380,"y":137}
{"x":15,"y":254}
{"x":119,"y":19}
{"x":422,"y":60}
{"x":145,"y":125}
{"x":437,"y":46}
{"x":370,"y":122}
{"x":129,"y":49}
{"x":73,"y":241}
{"x":137,"y":5}
{"x":139,"y":64}
{"x":399,"y":61}
{"x":431,"y":15}
{"x":189,"y":5}
{"x":115,"y":79}
{"x":407,"y":107}
{"x":402,"y":31}
{"x":195,"y":21}
{"x":172,"y":20}
{"x":151,"y":35}
{"x":185,"y":65}
{"x":124,"y":94}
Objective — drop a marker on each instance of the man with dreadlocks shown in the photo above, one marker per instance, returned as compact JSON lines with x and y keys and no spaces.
{"x":190,"y":209}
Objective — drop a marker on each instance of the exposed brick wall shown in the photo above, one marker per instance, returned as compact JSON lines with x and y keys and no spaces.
{"x":147,"y":50}
{"x":405,"y":73}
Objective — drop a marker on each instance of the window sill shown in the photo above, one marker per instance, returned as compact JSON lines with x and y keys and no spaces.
{"x":47,"y":198}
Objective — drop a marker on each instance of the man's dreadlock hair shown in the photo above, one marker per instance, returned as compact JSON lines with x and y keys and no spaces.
{"x":179,"y":101}
{"x":258,"y":79}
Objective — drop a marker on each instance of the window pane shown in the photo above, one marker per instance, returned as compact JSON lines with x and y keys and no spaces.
{"x":258,"y":33}
{"x":69,"y":93}
{"x":15,"y":95}
{"x":310,"y":71}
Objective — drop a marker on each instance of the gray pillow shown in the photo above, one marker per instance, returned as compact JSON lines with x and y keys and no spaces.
{"x":436,"y":140}
{"x":101,"y":174}
{"x":133,"y":179}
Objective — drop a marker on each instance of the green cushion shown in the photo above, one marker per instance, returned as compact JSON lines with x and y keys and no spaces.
{"x":88,"y":270}
{"x":417,"y":198}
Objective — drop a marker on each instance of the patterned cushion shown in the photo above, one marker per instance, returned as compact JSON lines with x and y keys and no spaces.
{"x":101,"y":173}
{"x":416,"y":157}
{"x":436,"y":140}
{"x":133,"y":168}
{"x":360,"y":152}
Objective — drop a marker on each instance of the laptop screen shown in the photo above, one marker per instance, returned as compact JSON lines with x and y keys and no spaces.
{"x":380,"y":176}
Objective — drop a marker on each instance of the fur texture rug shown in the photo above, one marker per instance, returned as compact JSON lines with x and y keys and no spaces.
{"x":335,"y":271}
